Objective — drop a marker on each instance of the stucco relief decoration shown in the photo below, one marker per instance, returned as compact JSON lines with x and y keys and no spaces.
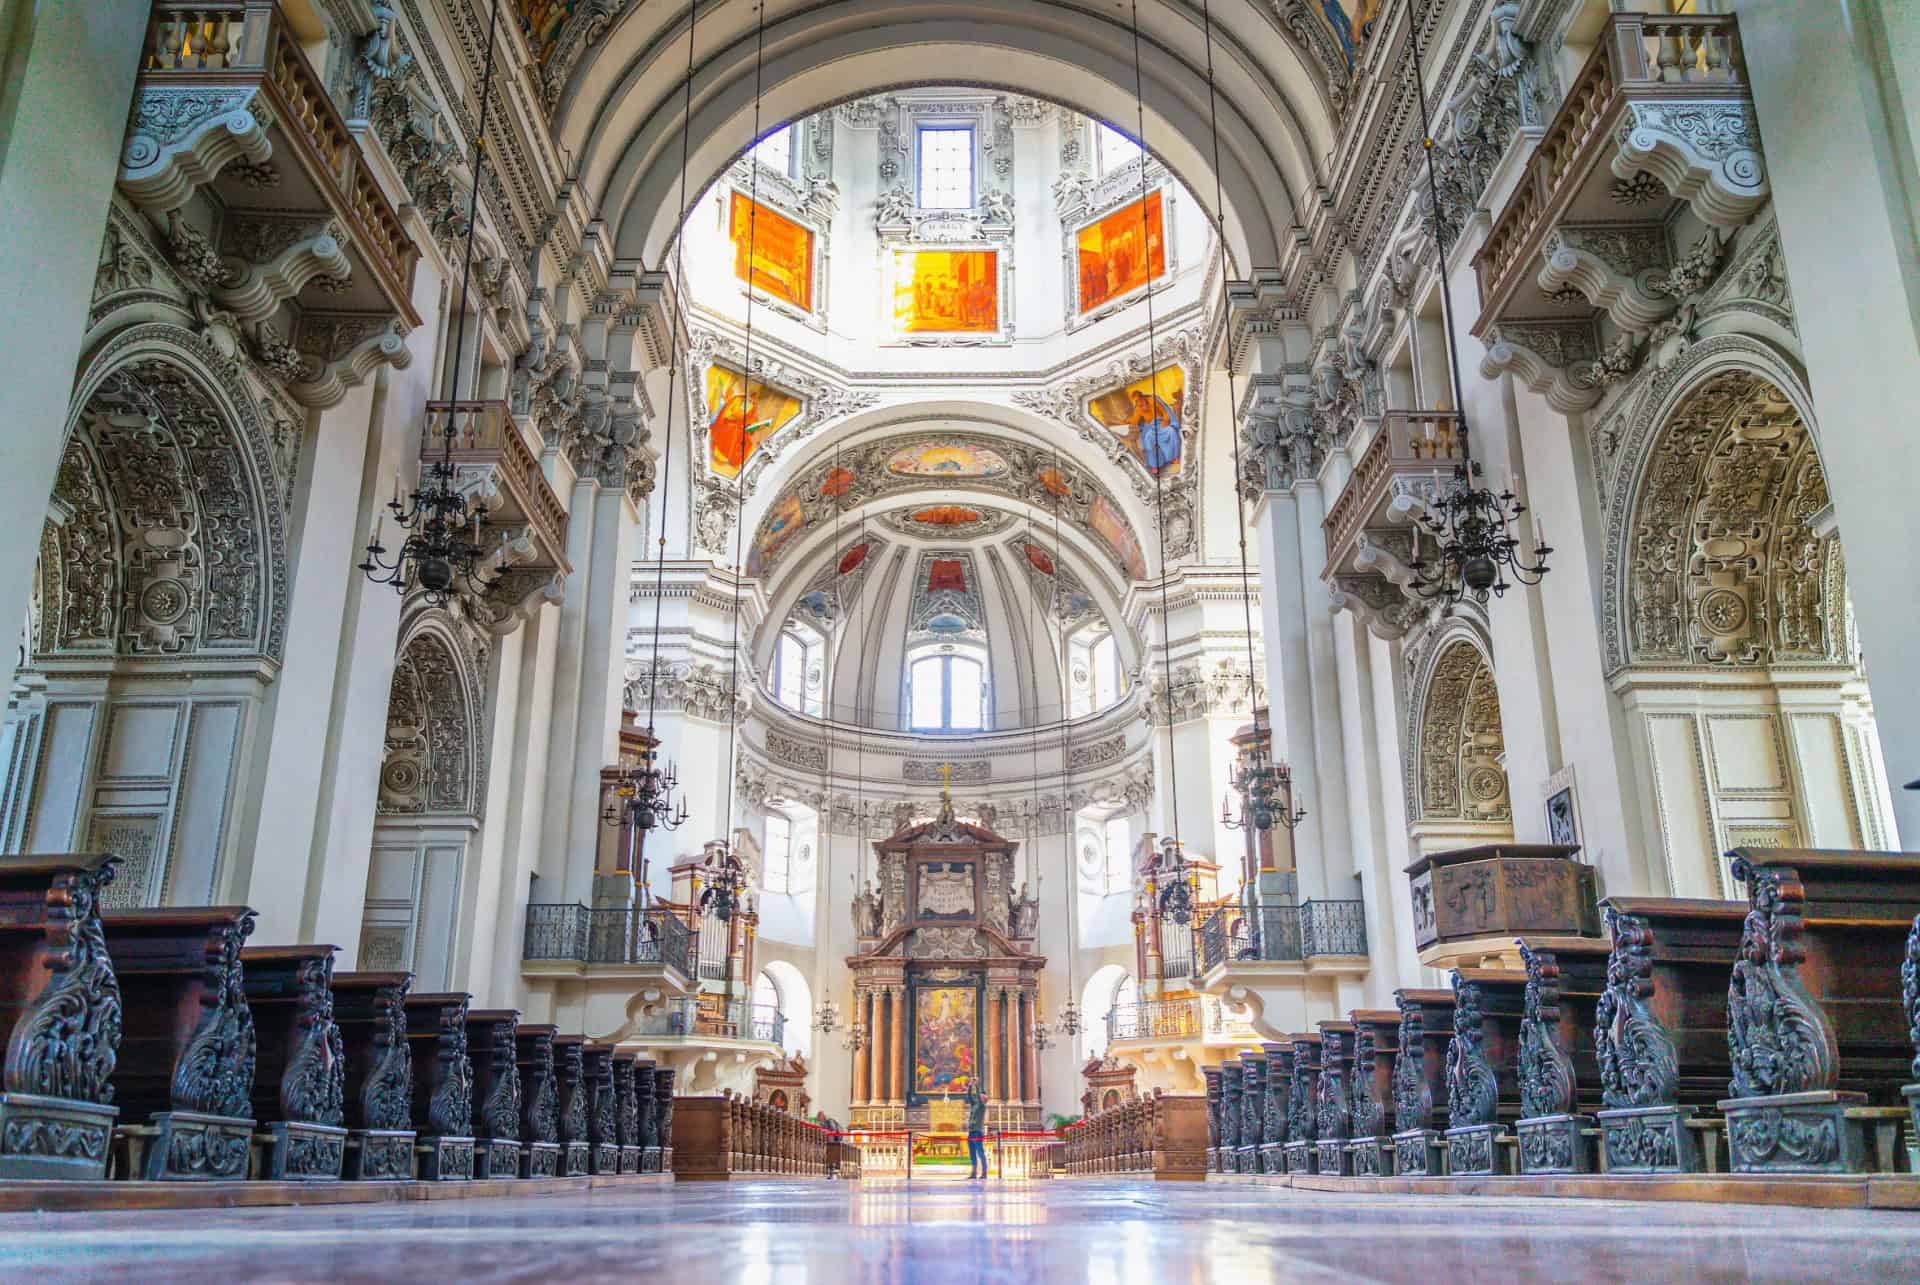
{"x":1724,"y":568}
{"x":432,"y":733}
{"x":1460,"y":741}
{"x":166,"y":549}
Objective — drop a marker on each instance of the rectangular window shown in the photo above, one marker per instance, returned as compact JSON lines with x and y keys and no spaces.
{"x":1106,"y":672}
{"x":924,"y":684}
{"x":790,"y":662}
{"x":775,"y":151}
{"x":946,"y":167}
{"x":968,"y":697}
{"x":1111,"y":149}
{"x":778,"y":864}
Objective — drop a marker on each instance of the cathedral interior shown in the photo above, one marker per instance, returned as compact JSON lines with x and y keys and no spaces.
{"x":860,"y":639}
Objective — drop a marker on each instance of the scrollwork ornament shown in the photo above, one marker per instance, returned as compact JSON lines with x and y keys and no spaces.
{"x":1472,"y":1091}
{"x":450,"y":1112}
{"x":1778,"y":1035}
{"x":1331,"y":1106}
{"x":387,"y":1096}
{"x":1367,"y":1113}
{"x":1546,"y":1072}
{"x":1910,"y":991}
{"x":1412,"y":1097}
{"x":314,"y":1087}
{"x":214,"y":1075}
{"x":501,"y":1110}
{"x":1638,"y":1066}
{"x":67,"y":1041}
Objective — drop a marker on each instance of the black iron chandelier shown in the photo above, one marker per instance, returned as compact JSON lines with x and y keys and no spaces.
{"x":442,"y":551}
{"x":1176,"y":882}
{"x":644,"y":796}
{"x":1266,"y":791}
{"x":725,"y":879}
{"x":1470,"y":527}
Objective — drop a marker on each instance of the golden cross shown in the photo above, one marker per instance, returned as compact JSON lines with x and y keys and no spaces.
{"x":946,"y":778}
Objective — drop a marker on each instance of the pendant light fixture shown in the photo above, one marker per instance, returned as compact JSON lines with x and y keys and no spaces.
{"x":826,"y":1018}
{"x":1069,"y":1017}
{"x":645,"y":794}
{"x":726,"y":881}
{"x":1174,"y":873}
{"x":1469,"y":527}
{"x":442,"y":551}
{"x":1264,"y":785}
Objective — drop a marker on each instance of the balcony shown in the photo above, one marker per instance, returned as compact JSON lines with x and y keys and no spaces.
{"x":1659,"y":115}
{"x":703,"y":1018}
{"x":1317,"y":932}
{"x":491,"y":458}
{"x":1189,"y":1017}
{"x":574,"y":940}
{"x":1369,"y":531}
{"x":226,"y":102}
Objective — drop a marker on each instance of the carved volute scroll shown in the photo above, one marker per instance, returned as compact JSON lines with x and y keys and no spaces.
{"x":1279,"y":1086}
{"x":1253,"y":1100}
{"x":1546,"y":1072}
{"x":543,"y":1100}
{"x":1910,"y":991}
{"x":1300,"y":1096}
{"x":601,"y":1119}
{"x":663,"y":1104}
{"x":450,"y":1112}
{"x":1330,"y":1106}
{"x":1230,"y":1113}
{"x":1780,"y":1037}
{"x":315,"y":1085}
{"x":501,"y":1110}
{"x":1472,"y":1091}
{"x":1366,"y":1112}
{"x":573,"y":1111}
{"x":214,"y":1075}
{"x":626,"y":1114}
{"x":1212,"y":1077}
{"x":1412,"y":1098}
{"x":65,"y":1043}
{"x":386,"y":1098}
{"x":1638,"y":1066}
{"x":648,"y":1128}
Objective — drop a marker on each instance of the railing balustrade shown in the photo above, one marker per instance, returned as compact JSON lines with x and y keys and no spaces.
{"x":610,"y":935}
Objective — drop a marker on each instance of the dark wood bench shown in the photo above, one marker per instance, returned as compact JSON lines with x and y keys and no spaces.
{"x":300,"y":1077}
{"x":1253,"y":1108}
{"x":645,"y":1075}
{"x":603,"y":1100}
{"x":539,"y":1100}
{"x":1301,"y":1150}
{"x":1273,"y":1133}
{"x":663,"y":1077}
{"x":187,"y":1043}
{"x":1376,"y":1038}
{"x":1559,"y":1072}
{"x":442,"y":1085}
{"x":1332,"y":1100}
{"x":626,"y":1112}
{"x":370,"y":1009}
{"x":570,"y":1077}
{"x":1231,"y":1072}
{"x":1483,"y":1068}
{"x":496,"y":1092}
{"x":1660,"y":1029}
{"x":60,"y":1017}
{"x":1211,"y":1075}
{"x":1420,"y":1078}
{"x":1818,"y":1032}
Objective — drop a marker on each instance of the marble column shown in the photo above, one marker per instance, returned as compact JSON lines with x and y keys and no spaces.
{"x":900,"y":1018}
{"x":990,"y":1063}
{"x":1016,"y":1085}
{"x":1030,"y":1060}
{"x":862,"y":1004}
{"x":1284,"y":604}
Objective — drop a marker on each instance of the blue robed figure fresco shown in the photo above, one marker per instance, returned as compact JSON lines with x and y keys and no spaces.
{"x":1159,"y":428}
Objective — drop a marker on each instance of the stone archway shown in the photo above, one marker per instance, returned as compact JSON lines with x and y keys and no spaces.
{"x":1750,"y":716}
{"x":1462,"y":784}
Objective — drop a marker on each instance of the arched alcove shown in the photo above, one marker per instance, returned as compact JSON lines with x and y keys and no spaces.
{"x":1459,"y":791}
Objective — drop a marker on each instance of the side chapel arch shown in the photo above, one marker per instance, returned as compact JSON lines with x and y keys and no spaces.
{"x":1460,"y":783}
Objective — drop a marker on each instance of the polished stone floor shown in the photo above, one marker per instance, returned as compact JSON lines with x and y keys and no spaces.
{"x":1101,"y":1232}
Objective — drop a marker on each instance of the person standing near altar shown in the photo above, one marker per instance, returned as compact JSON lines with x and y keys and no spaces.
{"x":976,"y":1134}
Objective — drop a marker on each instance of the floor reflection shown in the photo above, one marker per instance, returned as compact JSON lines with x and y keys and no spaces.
{"x":1098,"y":1232}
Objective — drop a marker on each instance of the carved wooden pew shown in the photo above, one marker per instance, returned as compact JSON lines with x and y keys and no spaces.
{"x":187,"y":1048}
{"x":1660,"y":1028}
{"x":603,"y":1129}
{"x":60,"y":1017}
{"x":647,"y":1134}
{"x":1231,"y":1073}
{"x":1483,"y":1067}
{"x":1273,"y":1137}
{"x":703,"y":1139}
{"x":1332,"y":1103}
{"x":370,"y":1010}
{"x":1376,"y":1039}
{"x":570,"y":1077}
{"x":1302,"y":1149}
{"x":1817,"y":1029}
{"x":1212,"y":1076}
{"x":299,"y":1084}
{"x":539,"y":1100}
{"x":493,"y":1055}
{"x":663,"y":1101}
{"x":626,"y":1112}
{"x":1559,"y":1071}
{"x":1420,"y":1078}
{"x":442,"y":1085}
{"x":1253,"y":1108}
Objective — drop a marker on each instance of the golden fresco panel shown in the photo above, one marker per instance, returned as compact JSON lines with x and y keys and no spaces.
{"x":771,"y":252}
{"x":946,"y":291}
{"x":1146,"y":416}
{"x":1121,"y":252}
{"x":741,"y":414}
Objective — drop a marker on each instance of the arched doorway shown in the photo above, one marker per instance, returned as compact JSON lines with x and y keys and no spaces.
{"x":1743,"y":683}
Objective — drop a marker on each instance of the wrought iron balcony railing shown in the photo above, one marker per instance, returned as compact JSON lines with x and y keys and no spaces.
{"x":704,"y":1017}
{"x":1333,"y":928}
{"x":1189,"y":1017}
{"x":615,"y":936}
{"x":1318,"y":928}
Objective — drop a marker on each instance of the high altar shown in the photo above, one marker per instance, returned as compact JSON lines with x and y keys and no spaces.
{"x":946,"y":982}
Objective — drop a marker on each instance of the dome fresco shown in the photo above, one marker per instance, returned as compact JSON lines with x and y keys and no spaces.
{"x":947,"y":459}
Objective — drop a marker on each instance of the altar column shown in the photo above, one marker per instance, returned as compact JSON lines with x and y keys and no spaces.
{"x":1010,"y":1026}
{"x":1029,"y":1055}
{"x":900,"y":1045}
{"x":990,"y":1056}
{"x":862,"y":999}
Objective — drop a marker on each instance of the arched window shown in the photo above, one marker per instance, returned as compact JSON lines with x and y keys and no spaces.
{"x":1096,"y":680}
{"x":1111,"y":149}
{"x":798,"y":671}
{"x":947,"y":691}
{"x":776,"y":859}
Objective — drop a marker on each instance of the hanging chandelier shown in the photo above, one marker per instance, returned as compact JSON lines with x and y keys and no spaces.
{"x":442,"y":551}
{"x":1069,"y":1017}
{"x":1470,"y":527}
{"x":644,"y":796}
{"x":826,"y":1019}
{"x":1176,"y":889}
{"x":1266,"y":791}
{"x":726,"y":880}
{"x":855,"y":1039}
